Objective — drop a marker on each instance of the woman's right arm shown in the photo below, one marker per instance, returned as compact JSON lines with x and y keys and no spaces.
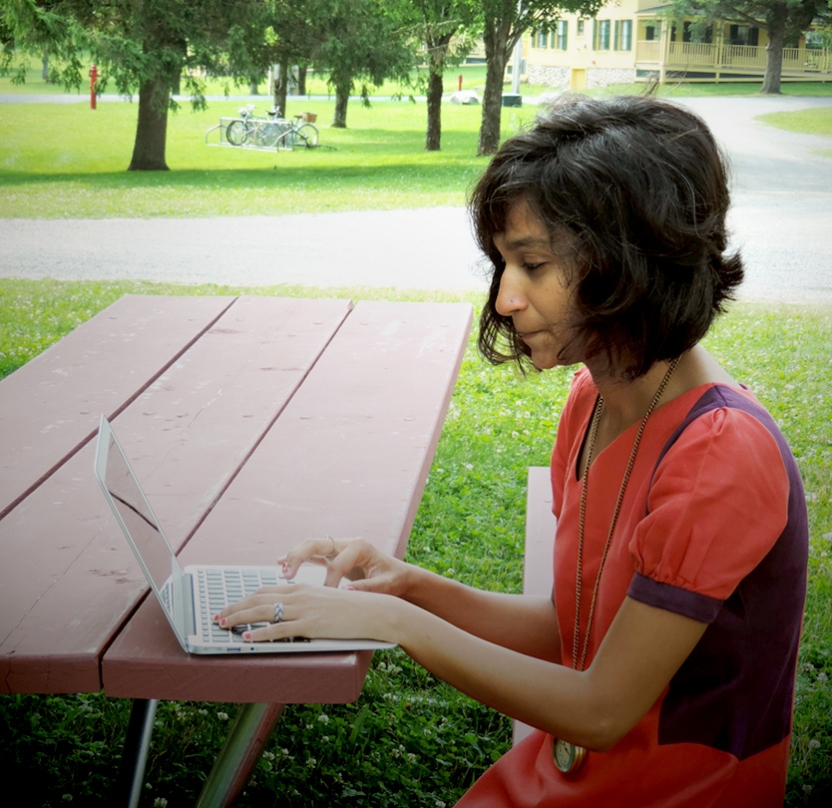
{"x":523,"y":623}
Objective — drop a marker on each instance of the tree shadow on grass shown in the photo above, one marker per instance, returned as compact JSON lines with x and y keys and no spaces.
{"x":254,"y":177}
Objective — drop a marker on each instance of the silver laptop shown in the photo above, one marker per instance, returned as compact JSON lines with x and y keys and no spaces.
{"x":190,"y":597}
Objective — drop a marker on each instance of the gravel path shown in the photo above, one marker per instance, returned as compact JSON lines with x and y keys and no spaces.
{"x":782,"y":221}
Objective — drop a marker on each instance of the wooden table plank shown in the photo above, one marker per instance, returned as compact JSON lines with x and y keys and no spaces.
{"x":50,"y":407}
{"x":349,"y":456}
{"x":75,"y":579}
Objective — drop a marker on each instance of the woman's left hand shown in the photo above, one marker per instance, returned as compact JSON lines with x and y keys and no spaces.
{"x":310,"y":611}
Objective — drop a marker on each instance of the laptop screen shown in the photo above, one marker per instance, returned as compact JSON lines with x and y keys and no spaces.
{"x":140,"y":523}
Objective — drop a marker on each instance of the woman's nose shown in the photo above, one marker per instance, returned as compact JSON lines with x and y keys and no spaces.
{"x":510,"y":298}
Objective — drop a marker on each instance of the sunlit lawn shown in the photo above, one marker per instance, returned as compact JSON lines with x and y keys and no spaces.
{"x":67,"y":160}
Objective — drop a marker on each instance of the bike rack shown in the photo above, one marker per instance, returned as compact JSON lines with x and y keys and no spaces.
{"x":217,"y":135}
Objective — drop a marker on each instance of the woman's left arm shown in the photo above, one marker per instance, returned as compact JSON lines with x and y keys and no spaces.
{"x":639,"y":655}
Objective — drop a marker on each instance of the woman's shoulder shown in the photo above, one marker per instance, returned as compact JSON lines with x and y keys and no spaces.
{"x":583,"y":388}
{"x":581,"y":399}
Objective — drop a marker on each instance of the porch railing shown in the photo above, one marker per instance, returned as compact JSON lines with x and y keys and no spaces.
{"x":696,"y":54}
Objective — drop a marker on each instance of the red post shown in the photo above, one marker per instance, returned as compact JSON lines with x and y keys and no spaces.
{"x":460,"y":82}
{"x":93,"y":79}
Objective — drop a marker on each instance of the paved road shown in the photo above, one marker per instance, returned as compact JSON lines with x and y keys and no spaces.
{"x":782,"y":221}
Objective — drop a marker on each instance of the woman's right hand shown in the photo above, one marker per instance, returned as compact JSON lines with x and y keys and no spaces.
{"x":368,"y":568}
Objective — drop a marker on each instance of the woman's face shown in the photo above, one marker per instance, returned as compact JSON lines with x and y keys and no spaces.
{"x":536,"y":289}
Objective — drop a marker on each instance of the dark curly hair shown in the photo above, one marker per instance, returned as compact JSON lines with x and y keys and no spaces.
{"x":640,"y":188}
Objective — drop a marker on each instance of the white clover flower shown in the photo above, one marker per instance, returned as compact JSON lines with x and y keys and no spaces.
{"x":160,"y":802}
{"x":311,"y":763}
{"x":222,"y":716}
{"x":814,"y":744}
{"x":323,"y":718}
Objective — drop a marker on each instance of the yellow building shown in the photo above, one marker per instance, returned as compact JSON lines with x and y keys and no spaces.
{"x":631,"y":41}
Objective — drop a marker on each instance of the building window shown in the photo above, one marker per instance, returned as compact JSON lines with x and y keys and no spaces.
{"x":693,"y":33}
{"x":561,"y":35}
{"x":624,"y":35}
{"x":743,"y":35}
{"x":602,"y":35}
{"x":542,"y":37}
{"x":581,"y":27}
{"x":653,"y":31}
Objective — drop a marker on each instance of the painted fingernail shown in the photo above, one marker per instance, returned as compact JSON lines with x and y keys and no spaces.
{"x":351,"y":588}
{"x":247,"y":635}
{"x":224,"y":621}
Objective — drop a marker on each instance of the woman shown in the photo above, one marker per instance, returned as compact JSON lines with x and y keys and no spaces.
{"x":661,"y":671}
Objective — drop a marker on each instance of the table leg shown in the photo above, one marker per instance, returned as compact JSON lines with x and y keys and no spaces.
{"x":134,"y":755}
{"x":241,"y":752}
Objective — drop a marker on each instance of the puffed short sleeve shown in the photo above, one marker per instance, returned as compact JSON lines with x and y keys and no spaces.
{"x":717,"y":505}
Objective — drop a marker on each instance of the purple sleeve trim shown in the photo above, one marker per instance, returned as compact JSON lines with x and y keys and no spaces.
{"x":674,"y":599}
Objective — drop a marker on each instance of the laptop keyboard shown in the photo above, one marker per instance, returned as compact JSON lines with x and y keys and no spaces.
{"x":221,"y":586}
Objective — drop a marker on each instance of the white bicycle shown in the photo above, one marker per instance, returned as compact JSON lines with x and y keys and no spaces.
{"x":271,"y":132}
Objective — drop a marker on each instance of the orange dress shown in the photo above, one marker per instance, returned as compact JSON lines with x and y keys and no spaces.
{"x":713,"y":526}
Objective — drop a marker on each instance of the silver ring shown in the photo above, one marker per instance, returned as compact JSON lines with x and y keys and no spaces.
{"x":278,"y":612}
{"x":334,"y":551}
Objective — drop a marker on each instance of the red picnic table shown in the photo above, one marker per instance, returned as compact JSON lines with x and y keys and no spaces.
{"x":252,"y":423}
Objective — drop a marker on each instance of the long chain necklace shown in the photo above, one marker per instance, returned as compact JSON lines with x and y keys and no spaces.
{"x":569,"y":757}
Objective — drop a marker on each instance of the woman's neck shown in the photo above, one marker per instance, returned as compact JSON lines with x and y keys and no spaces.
{"x":626,"y":402}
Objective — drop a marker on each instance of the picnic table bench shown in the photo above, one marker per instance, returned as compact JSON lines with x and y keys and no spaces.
{"x":252,"y":423}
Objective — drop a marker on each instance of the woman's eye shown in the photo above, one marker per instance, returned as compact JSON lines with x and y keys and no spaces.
{"x":530,"y":266}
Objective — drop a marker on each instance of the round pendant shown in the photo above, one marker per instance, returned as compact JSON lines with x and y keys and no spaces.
{"x":568,"y":757}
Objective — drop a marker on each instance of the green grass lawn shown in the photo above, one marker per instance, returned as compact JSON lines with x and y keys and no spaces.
{"x":410,"y":739}
{"x":69,"y":161}
{"x":805,"y":121}
{"x":65,"y":160}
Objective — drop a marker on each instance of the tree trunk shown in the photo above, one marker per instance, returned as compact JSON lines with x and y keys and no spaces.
{"x":342,"y":97}
{"x":774,"y":52}
{"x":44,"y":73}
{"x":437,"y":47}
{"x":280,"y":89}
{"x":302,"y":79}
{"x":496,"y":42}
{"x":434,"y":131}
{"x":152,"y":128}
